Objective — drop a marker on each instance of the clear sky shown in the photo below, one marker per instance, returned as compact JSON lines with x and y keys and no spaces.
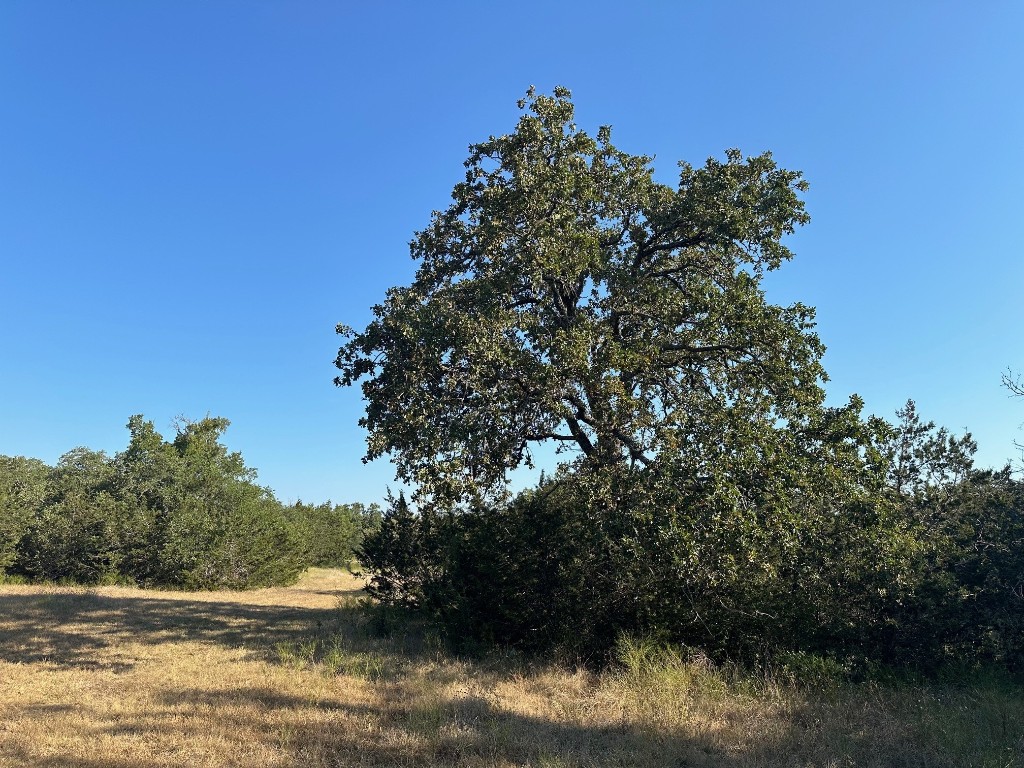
{"x":193,"y":194}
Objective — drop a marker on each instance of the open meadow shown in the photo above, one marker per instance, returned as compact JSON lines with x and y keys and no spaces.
{"x":115,"y":677}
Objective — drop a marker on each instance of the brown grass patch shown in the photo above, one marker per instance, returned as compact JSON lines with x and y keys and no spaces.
{"x":117,"y":677}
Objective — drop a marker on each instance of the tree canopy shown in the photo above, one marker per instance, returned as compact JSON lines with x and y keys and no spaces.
{"x":568,"y":296}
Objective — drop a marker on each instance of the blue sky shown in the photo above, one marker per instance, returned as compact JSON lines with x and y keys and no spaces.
{"x":193,"y":194}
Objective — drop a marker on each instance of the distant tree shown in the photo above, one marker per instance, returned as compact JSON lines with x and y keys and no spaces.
{"x":146,"y":475}
{"x":186,"y":513}
{"x":225,"y":531}
{"x":920,"y":456}
{"x":970,"y":606}
{"x":397,"y":556}
{"x":329,"y":534}
{"x":959,"y":597}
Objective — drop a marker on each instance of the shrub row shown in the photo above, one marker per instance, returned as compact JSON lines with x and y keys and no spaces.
{"x":921,"y":564}
{"x":185,"y":513}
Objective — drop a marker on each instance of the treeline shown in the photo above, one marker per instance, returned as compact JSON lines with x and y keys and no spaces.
{"x":909,"y":556}
{"x":184,"y":513}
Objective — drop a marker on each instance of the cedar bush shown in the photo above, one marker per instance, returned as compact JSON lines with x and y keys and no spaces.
{"x":921,"y":574}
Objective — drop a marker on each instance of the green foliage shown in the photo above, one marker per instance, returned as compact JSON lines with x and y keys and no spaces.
{"x":811,"y":670}
{"x":865,"y":583}
{"x":969,"y":605}
{"x":73,"y":535}
{"x":567,"y":296}
{"x":22,"y":489}
{"x":921,"y":458}
{"x":330,"y":534}
{"x":397,"y":555}
{"x":332,"y":657}
{"x":225,"y":531}
{"x":185,"y":513}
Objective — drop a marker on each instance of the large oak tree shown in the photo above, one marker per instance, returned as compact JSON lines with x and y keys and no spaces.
{"x":568,"y":296}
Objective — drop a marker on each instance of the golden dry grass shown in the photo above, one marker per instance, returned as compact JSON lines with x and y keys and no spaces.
{"x":114,"y":676}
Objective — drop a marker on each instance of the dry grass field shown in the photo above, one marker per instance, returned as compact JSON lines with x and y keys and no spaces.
{"x":117,"y":677}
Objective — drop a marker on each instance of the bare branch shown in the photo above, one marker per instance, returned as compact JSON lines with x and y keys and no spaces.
{"x":1014,"y":383}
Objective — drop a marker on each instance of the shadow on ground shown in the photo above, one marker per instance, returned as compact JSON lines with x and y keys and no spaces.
{"x":85,"y":629}
{"x":468,"y":732}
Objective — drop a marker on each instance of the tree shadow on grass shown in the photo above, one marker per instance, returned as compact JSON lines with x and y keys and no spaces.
{"x":469,"y":731}
{"x":457,"y":732}
{"x":25,"y":759}
{"x":86,"y":630}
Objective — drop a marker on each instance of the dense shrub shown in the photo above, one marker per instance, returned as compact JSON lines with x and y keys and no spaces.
{"x":74,"y":533}
{"x":970,"y":602}
{"x":22,"y":488}
{"x":186,"y":513}
{"x":329,"y":534}
{"x":919,"y":572}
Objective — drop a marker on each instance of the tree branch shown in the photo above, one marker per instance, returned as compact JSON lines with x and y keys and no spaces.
{"x":646,"y":250}
{"x":580,"y":436}
{"x":1014,"y":383}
